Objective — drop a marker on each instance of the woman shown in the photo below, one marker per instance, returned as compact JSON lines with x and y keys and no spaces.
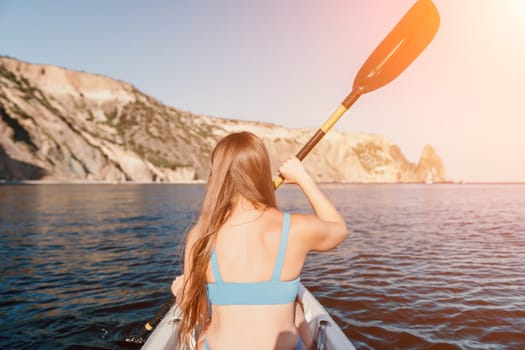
{"x":244,"y":256}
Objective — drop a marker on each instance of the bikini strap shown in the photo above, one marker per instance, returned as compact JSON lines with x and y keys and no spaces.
{"x":277,"y":270}
{"x":215,"y":267}
{"x":206,"y":345}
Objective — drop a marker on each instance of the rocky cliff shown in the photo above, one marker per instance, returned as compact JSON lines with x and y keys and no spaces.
{"x":58,"y":124}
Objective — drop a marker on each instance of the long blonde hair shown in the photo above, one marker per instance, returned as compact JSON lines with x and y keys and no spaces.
{"x":240,"y":165}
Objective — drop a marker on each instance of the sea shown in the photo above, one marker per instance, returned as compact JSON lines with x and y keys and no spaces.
{"x":84,"y":266}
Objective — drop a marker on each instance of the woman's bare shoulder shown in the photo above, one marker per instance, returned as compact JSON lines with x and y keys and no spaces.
{"x":304,"y":221}
{"x":316,"y":234}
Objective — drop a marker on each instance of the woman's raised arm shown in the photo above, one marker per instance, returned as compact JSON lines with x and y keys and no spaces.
{"x":327,"y":228}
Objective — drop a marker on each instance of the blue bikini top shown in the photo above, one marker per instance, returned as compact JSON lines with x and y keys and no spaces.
{"x":269,"y":292}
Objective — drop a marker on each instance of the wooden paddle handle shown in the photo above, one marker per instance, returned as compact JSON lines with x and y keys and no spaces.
{"x":319,"y":134}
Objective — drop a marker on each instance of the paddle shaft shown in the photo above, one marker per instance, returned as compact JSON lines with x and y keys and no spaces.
{"x":141,"y":337}
{"x":397,"y":50}
{"x":319,"y":134}
{"x":160,"y":314}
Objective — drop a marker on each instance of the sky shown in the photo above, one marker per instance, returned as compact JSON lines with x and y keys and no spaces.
{"x":291,"y":62}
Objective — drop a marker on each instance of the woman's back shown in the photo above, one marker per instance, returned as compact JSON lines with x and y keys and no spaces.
{"x":254,"y":248}
{"x":231,"y":252}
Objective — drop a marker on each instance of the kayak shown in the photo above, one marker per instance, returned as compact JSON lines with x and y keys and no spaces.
{"x":328,"y":334}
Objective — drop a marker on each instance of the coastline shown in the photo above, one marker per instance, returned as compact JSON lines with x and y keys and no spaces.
{"x":96,"y":182}
{"x":201,"y":182}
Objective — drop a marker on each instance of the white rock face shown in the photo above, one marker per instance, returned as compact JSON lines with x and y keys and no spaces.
{"x":58,"y":124}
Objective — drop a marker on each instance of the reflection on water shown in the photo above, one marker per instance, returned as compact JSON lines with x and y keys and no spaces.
{"x":78,"y":262}
{"x":431,"y":267}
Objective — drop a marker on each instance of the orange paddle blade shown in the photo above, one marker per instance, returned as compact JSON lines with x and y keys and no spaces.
{"x":401,"y":46}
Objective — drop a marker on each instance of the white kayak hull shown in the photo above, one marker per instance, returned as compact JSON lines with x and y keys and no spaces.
{"x":164,"y":336}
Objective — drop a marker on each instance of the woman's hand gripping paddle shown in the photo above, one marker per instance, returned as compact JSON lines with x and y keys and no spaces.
{"x":400,"y":47}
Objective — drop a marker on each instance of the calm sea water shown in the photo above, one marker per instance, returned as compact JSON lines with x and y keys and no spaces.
{"x":425,"y":267}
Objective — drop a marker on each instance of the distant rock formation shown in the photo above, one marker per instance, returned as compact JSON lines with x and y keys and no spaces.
{"x":58,"y":124}
{"x":430,"y":167}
